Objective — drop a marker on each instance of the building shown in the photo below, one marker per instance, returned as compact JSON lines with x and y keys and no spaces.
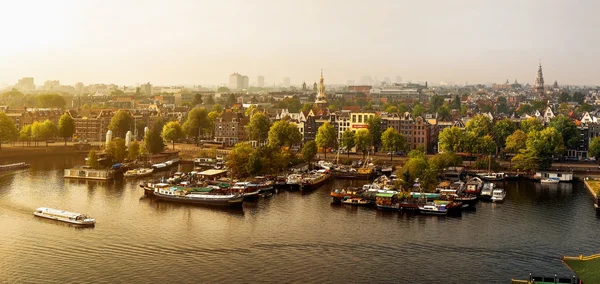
{"x":91,"y":125}
{"x":147,"y":89}
{"x":261,"y":81}
{"x":184,"y":97}
{"x":286,"y":82}
{"x":321,"y":99}
{"x":365,"y":89}
{"x":235,"y":81}
{"x":245,"y":82}
{"x":358,"y":120}
{"x":418,"y":132}
{"x":25,"y":84}
{"x":538,"y":88}
{"x":230,"y":128}
{"x":51,"y":84}
{"x":79,"y":87}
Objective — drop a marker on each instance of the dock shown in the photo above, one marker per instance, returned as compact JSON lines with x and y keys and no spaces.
{"x":593,"y":187}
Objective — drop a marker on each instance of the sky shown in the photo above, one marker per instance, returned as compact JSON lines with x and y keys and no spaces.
{"x":202,"y":42}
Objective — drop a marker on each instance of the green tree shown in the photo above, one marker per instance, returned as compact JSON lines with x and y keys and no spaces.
{"x":116,"y":150}
{"x":456,"y":103}
{"x":218,"y":108}
{"x":120,"y":123}
{"x":197,"y":123}
{"x":516,"y":141}
{"x":133,"y":151}
{"x":43,"y":131}
{"x":392,"y":140}
{"x":418,"y":110}
{"x":223,"y":89}
{"x":585,"y":108}
{"x":238,"y":159}
{"x":197,"y":99}
{"x":362,"y":141}
{"x":153,"y":142}
{"x":415,"y":167}
{"x":541,"y":146}
{"x":92,"y":160}
{"x":66,"y":127}
{"x":231,"y":100}
{"x":325,"y":137}
{"x":435,"y":102}
{"x":450,"y":139}
{"x":25,"y":134}
{"x":469,"y":143}
{"x":8,"y":130}
{"x":309,"y":151}
{"x":51,"y":101}
{"x":563,"y":97}
{"x":258,"y":127}
{"x":524,"y":109}
{"x":480,"y":125}
{"x":374,"y":127}
{"x":444,"y":113}
{"x":348,"y":141}
{"x":578,"y":97}
{"x":443,"y":160}
{"x":594,"y":148}
{"x":502,"y":129}
{"x":172,"y":131}
{"x":539,"y":105}
{"x":565,"y":126}
{"x":531,"y":124}
{"x":210,"y":100}
{"x":284,"y":134}
{"x":486,"y":145}
{"x":254,"y":166}
{"x":306,"y":107}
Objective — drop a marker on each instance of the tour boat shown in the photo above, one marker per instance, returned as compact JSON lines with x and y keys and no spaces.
{"x":314,"y":180}
{"x":486,"y":191}
{"x":65,"y":216}
{"x":550,"y":180}
{"x":439,"y":207}
{"x":498,"y":195}
{"x":474,"y":186}
{"x":15,"y":166}
{"x":142,"y":172}
{"x":356,"y":201}
{"x":189,"y":195}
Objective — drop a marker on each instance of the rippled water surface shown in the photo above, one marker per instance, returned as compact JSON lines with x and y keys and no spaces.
{"x":289,"y":237}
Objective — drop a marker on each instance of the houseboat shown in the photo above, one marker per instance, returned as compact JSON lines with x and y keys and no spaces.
{"x":492,"y":176}
{"x":201,"y":196}
{"x":249,"y":190}
{"x":64,"y":216}
{"x":86,"y":172}
{"x":440,"y":207}
{"x":453,"y":173}
{"x":387,"y":201}
{"x":352,"y":192}
{"x":315,"y":179}
{"x":358,"y":201}
{"x":474,"y":186}
{"x":294,"y":181}
{"x":16,"y":166}
{"x":561,"y":176}
{"x":498,"y":195}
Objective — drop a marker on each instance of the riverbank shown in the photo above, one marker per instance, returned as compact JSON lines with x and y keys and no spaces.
{"x":593,"y":187}
{"x":42,"y":151}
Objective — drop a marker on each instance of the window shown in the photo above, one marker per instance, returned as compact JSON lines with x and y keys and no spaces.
{"x":360,"y":118}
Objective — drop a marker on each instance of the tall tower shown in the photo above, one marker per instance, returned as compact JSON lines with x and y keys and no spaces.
{"x":321,"y":100}
{"x":539,"y":82}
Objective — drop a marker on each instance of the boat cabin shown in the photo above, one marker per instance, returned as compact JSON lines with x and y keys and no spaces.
{"x":561,"y":176}
{"x":454,"y":173}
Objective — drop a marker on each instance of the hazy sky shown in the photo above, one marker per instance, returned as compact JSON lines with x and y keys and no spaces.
{"x":202,"y":42}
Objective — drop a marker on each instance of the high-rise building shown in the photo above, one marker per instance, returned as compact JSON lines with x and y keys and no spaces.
{"x":261,"y":81}
{"x":25,"y":84}
{"x":286,"y":82}
{"x":79,"y":87}
{"x":147,"y":89}
{"x":245,"y":82}
{"x":539,"y":82}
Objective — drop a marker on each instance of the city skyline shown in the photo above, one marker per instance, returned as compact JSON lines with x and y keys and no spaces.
{"x":166,"y":43}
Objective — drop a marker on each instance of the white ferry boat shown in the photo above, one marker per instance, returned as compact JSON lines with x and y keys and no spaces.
{"x":64,"y":216}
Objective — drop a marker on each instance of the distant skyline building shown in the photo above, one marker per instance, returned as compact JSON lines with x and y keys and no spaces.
{"x":25,"y":84}
{"x":321,"y":99}
{"x":539,"y":82}
{"x":261,"y":81}
{"x":245,"y":82}
{"x":147,"y":89}
{"x":79,"y":87}
{"x":51,"y":84}
{"x":286,"y":82}
{"x":235,"y":81}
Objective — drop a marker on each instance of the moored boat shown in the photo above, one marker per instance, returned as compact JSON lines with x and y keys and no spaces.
{"x":550,"y":180}
{"x":356,"y":201}
{"x":64,"y":216}
{"x":474,"y":186}
{"x":492,"y":176}
{"x":14,"y":166}
{"x":142,"y":172}
{"x":439,"y":207}
{"x":486,"y":191}
{"x":294,"y":180}
{"x":350,"y":192}
{"x":314,"y":180}
{"x":193,"y":196}
{"x":498,"y":195}
{"x":387,"y":201}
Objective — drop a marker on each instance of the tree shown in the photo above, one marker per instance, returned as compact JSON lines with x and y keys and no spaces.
{"x":238,"y":159}
{"x":502,"y":129}
{"x":585,"y":108}
{"x":578,"y":97}
{"x":66,"y":127}
{"x":362,"y":140}
{"x":541,"y":146}
{"x":258,"y":127}
{"x":306,"y":107}
{"x":51,"y":101}
{"x":231,"y":100}
{"x":418,"y":110}
{"x":116,"y":150}
{"x":392,"y":141}
{"x":565,"y":126}
{"x":348,"y":141}
{"x":325,"y":137}
{"x":531,"y":124}
{"x":309,"y":151}
{"x":516,"y":142}
{"x":501,"y":106}
{"x":8,"y":130}
{"x":480,"y":125}
{"x":444,"y":113}
{"x":524,"y":109}
{"x":223,"y":89}
{"x":218,"y":108}
{"x":374,"y":127}
{"x":443,"y":160}
{"x":120,"y":123}
{"x":254,"y":165}
{"x":197,"y":123}
{"x":456,"y":103}
{"x":210,"y":100}
{"x":563,"y":109}
{"x":284,"y":134}
{"x":92,"y":160}
{"x":486,"y":145}
{"x":414,"y":168}
{"x":197,"y":99}
{"x":449,"y":139}
{"x":563,"y":97}
{"x":469,"y":143}
{"x":25,"y":134}
{"x":153,"y":142}
{"x":594,"y":148}
{"x":435,"y":102}
{"x":43,"y":130}
{"x":172,"y":131}
{"x":133,"y":152}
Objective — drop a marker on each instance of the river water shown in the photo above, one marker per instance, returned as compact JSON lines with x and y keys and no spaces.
{"x":286,"y":238}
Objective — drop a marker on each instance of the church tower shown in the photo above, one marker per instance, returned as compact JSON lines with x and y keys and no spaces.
{"x":539,"y":82}
{"x":321,"y":100}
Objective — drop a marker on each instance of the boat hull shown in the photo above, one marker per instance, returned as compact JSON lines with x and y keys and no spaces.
{"x":230,"y":202}
{"x":313,"y":186}
{"x":66,"y":220}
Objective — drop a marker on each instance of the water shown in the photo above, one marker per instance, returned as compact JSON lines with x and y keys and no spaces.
{"x":289,"y":237}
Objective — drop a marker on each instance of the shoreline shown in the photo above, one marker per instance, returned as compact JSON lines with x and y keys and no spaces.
{"x":13,"y":152}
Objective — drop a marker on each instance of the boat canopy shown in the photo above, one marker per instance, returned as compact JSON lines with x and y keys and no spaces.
{"x":385,"y":195}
